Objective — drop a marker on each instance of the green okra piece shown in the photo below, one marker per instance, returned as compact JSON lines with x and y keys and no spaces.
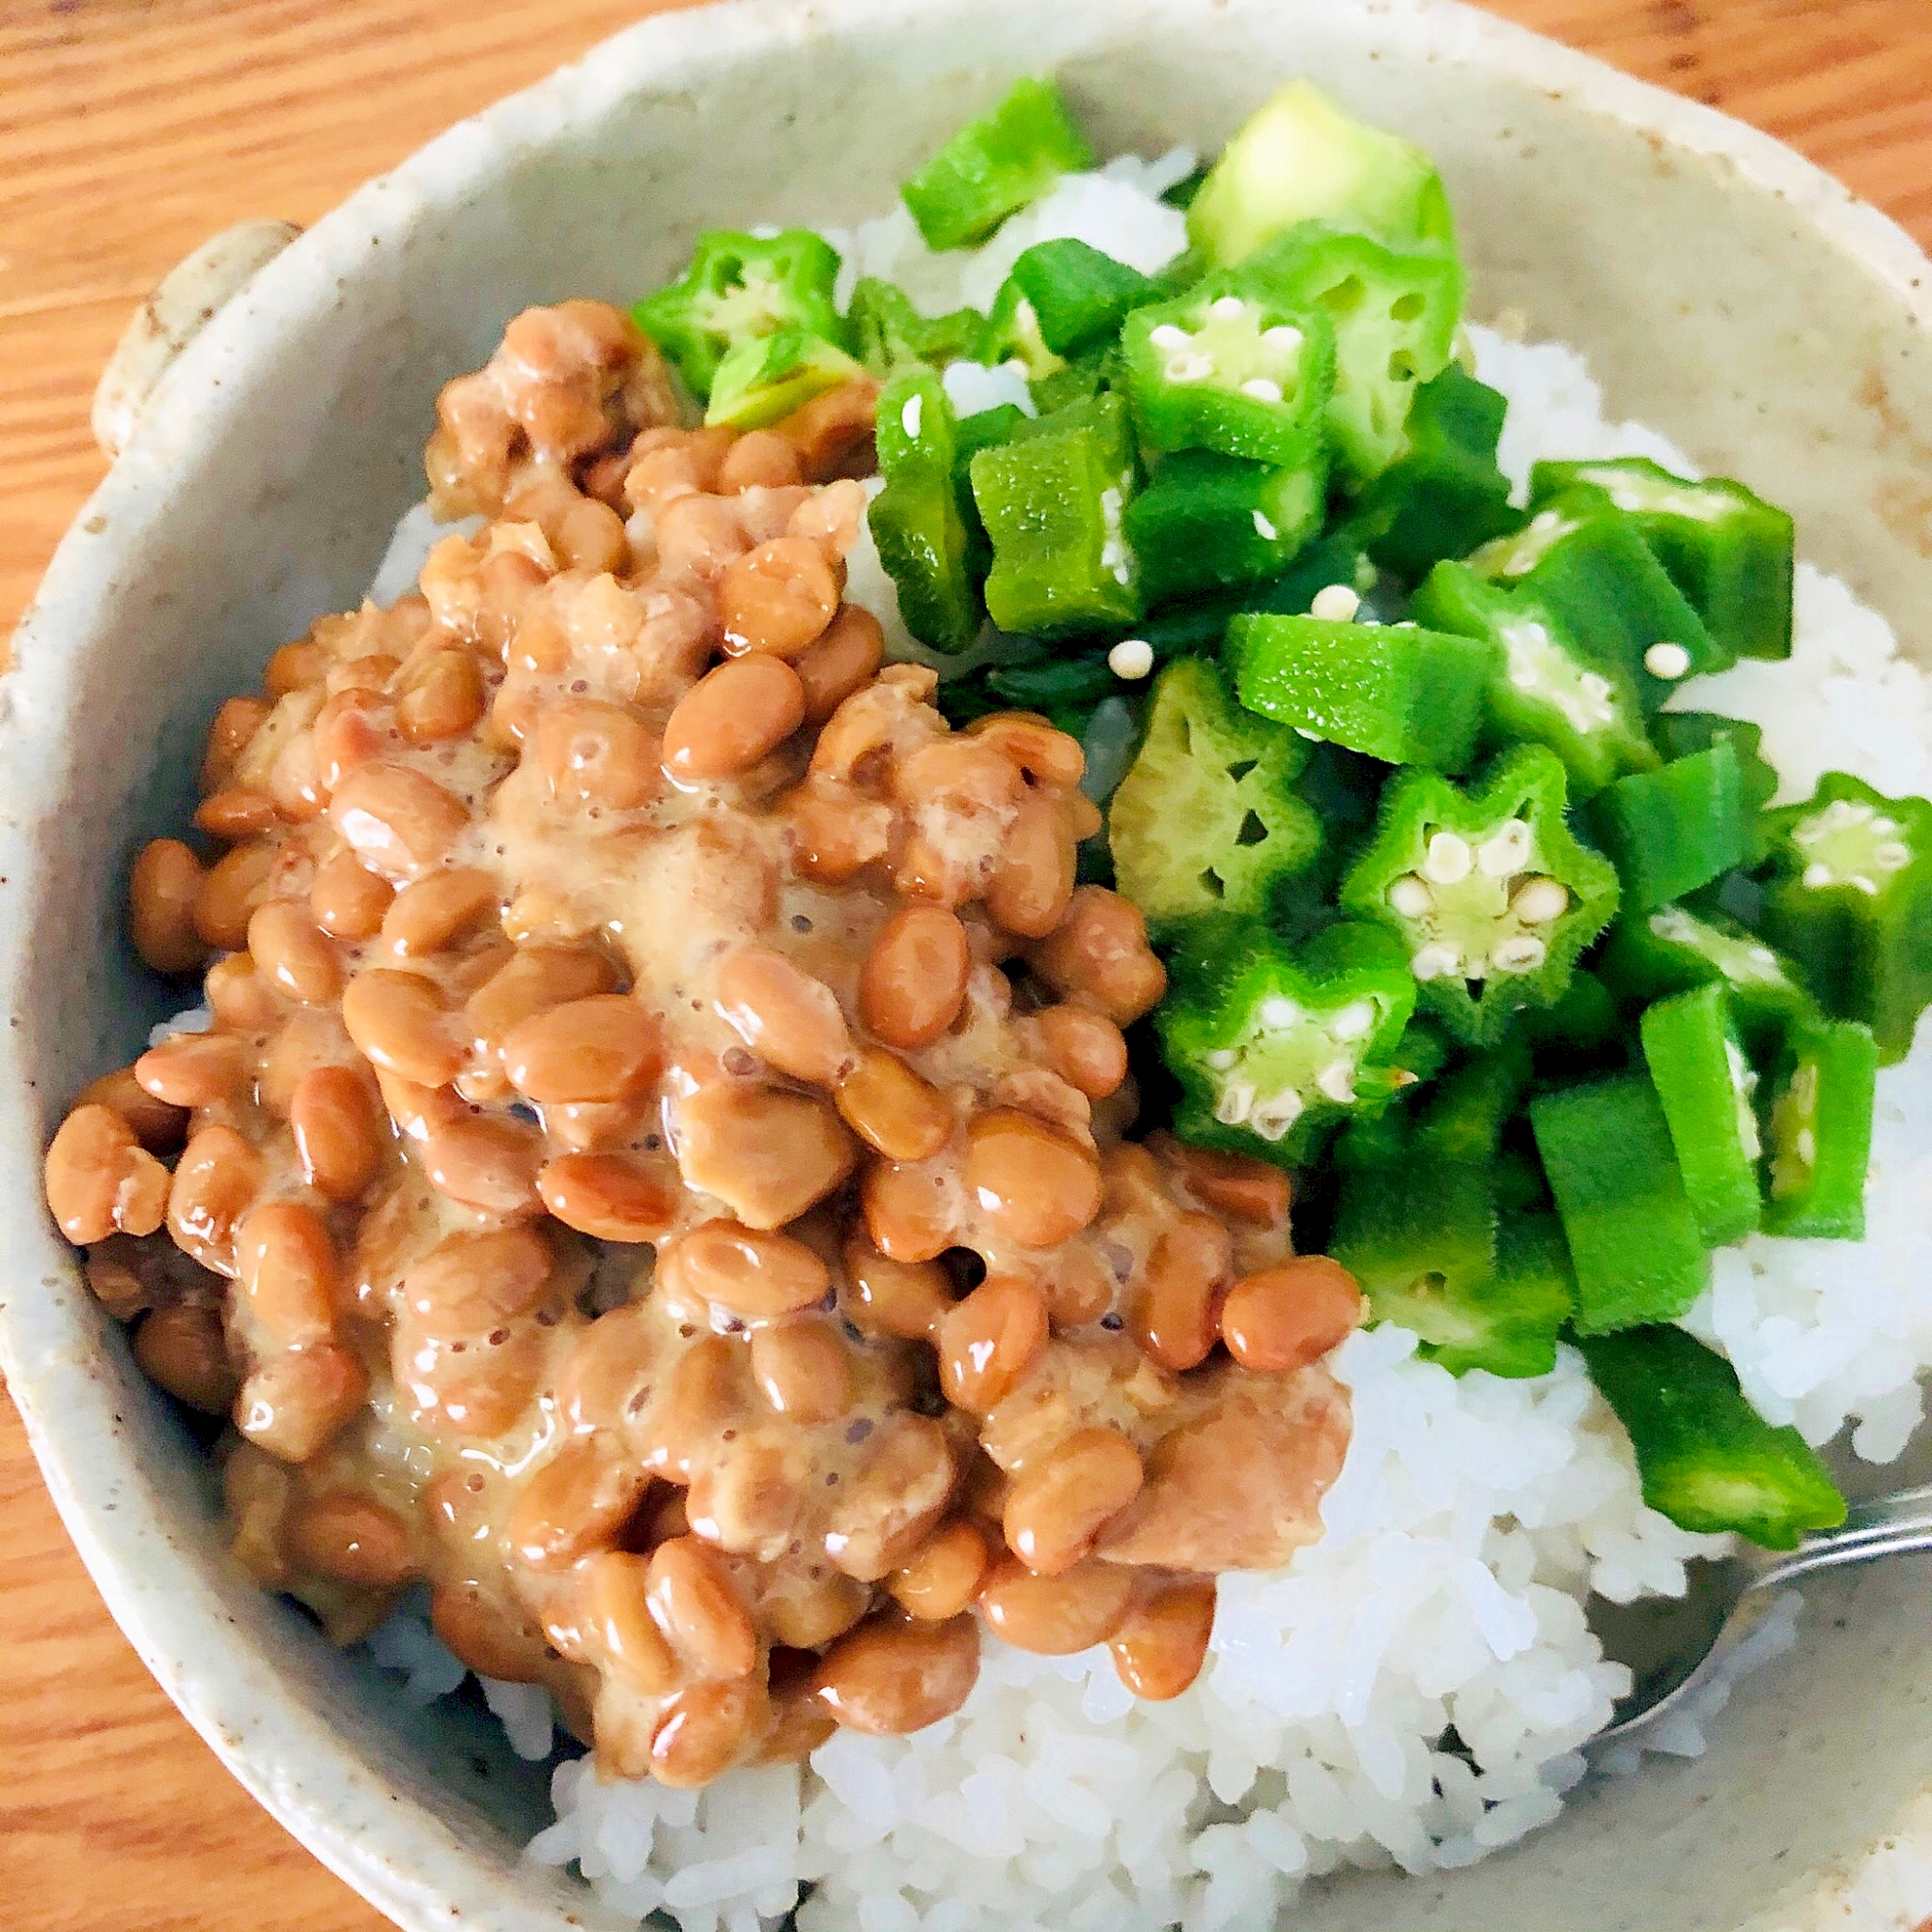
{"x":1707,"y":1087}
{"x":1208,"y":819}
{"x":1013,"y":334}
{"x":1206,"y":522}
{"x":1673,"y":830}
{"x":1053,"y":497}
{"x":922,"y":538}
{"x":888,"y":332}
{"x":1673,"y":948}
{"x":1394,"y":314}
{"x":1301,"y":157}
{"x":1849,"y":896}
{"x":1634,"y":1237}
{"x":1542,"y":688}
{"x":1682,"y":734}
{"x":1588,"y":568}
{"x":1728,"y":550}
{"x":1707,"y":1461}
{"x":738,"y":289}
{"x":1080,"y":297}
{"x":763,"y":379}
{"x":1468,"y":1109}
{"x":1818,"y":1132}
{"x":995,"y":166}
{"x":1490,"y":895}
{"x":1443,"y":495}
{"x":1270,"y":1043}
{"x":1231,"y":367}
{"x":1480,"y":1289}
{"x":1407,"y":696}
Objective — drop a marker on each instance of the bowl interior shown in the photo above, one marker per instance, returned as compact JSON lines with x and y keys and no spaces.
{"x":1722,"y":290}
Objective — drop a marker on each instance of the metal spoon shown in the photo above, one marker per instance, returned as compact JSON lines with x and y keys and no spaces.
{"x":1741,"y":1591}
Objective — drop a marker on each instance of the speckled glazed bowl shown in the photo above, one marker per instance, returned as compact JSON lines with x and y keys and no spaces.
{"x":1723,"y":290}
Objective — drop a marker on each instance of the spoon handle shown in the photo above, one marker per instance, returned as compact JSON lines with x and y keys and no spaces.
{"x":1885,"y":1527}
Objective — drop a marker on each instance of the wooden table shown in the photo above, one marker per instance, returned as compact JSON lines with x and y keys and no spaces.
{"x":131,"y":132}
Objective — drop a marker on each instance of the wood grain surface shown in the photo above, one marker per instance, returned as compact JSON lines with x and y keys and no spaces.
{"x":131,"y":131}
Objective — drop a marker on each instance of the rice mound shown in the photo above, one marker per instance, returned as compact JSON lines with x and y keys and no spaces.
{"x":1472,"y":1517}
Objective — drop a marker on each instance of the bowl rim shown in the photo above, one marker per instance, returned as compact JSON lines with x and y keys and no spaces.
{"x":48,"y":1351}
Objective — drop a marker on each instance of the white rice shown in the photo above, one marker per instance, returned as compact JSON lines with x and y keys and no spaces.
{"x":1472,"y":1517}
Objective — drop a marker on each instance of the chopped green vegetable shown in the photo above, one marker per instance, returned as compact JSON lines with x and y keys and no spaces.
{"x":1671,"y":830}
{"x":1206,"y":820}
{"x":1394,"y":316}
{"x":1419,"y":1234}
{"x":1681,"y":734}
{"x":1507,"y":1323}
{"x":1578,"y":1031}
{"x":1707,"y":1087}
{"x":1672,"y":949}
{"x":1584,"y":565}
{"x":914,"y":520}
{"x":996,"y":166}
{"x":1300,"y":158}
{"x":1270,"y":1044}
{"x":1232,"y":367}
{"x":1407,"y":696}
{"x":1443,"y":495}
{"x":888,"y":332}
{"x":1850,"y":899}
{"x":1052,"y":498}
{"x":1206,"y":521}
{"x":1542,"y":688}
{"x":1727,"y":551}
{"x":1490,"y":895}
{"x":1633,"y":1234}
{"x":766,"y":378}
{"x":1012,"y":335}
{"x":1707,"y":1461}
{"x":1468,"y":1108}
{"x":1819,"y":1132}
{"x":739,"y":288}
{"x":1079,"y":296}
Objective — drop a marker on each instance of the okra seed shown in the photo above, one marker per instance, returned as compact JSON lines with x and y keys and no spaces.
{"x":1817,"y":874}
{"x":1540,"y":900}
{"x":1352,"y":1021}
{"x":1132,"y":658}
{"x":1666,"y":661}
{"x":1263,"y":388}
{"x":1238,"y":1098}
{"x":1524,"y":953}
{"x":1885,"y":828}
{"x":1868,"y":887}
{"x":1168,"y":337}
{"x":1505,"y":851}
{"x":1448,"y":860}
{"x":1279,"y":1012}
{"x":1221,"y":1060}
{"x":1592,"y":685}
{"x":1891,"y":857}
{"x":1263,"y":529}
{"x":912,"y":415}
{"x":1228,"y":308}
{"x":1435,"y":961}
{"x":1335,"y":604}
{"x":1807,"y":1146}
{"x":1272,"y":1118}
{"x":1189,"y":368}
{"x":1337,"y":1080}
{"x":1410,"y":896}
{"x":1282,"y":339}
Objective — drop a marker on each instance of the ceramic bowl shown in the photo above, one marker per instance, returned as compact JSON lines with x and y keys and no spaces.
{"x":1723,"y":290}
